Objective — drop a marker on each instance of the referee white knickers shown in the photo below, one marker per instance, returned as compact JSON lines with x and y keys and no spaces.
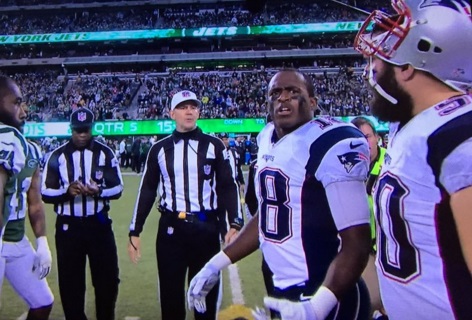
{"x":16,"y":264}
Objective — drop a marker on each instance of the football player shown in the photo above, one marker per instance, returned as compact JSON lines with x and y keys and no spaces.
{"x":312,"y":223}
{"x":420,"y":71}
{"x":24,"y":267}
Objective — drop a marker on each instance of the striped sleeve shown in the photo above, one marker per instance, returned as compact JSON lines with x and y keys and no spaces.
{"x":53,"y":188}
{"x":113,"y":178}
{"x":13,"y":150}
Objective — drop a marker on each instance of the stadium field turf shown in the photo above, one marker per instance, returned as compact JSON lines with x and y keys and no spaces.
{"x":138,"y":298}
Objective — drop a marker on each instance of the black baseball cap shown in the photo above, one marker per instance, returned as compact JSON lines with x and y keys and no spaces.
{"x":222,"y":135}
{"x":81,"y":118}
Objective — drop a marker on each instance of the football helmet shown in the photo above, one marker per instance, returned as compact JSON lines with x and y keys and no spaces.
{"x":434,"y":36}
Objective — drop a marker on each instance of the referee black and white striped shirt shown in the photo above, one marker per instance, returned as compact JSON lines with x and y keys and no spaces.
{"x":192,"y":173}
{"x":67,"y":164}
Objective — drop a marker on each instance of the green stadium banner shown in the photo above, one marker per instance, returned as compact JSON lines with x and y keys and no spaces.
{"x":348,"y":26}
{"x":156,"y":127}
{"x":146,"y":127}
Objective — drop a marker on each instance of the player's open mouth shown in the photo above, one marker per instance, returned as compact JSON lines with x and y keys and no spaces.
{"x":284,"y":111}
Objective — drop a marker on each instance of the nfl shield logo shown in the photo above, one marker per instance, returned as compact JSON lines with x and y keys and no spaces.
{"x":99,"y":175}
{"x":207,"y":169}
{"x":81,"y":116}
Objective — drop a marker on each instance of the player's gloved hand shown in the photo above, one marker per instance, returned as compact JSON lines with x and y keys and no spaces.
{"x":260,"y":314}
{"x":205,"y":280}
{"x":316,"y":308}
{"x":43,"y":260}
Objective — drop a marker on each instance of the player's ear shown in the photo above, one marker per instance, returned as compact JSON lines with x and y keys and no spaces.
{"x":406,"y":72}
{"x":172,"y":115}
{"x":313,"y":103}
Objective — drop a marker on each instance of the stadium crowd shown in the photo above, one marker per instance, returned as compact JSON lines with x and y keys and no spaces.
{"x":145,"y":96}
{"x":184,"y":16}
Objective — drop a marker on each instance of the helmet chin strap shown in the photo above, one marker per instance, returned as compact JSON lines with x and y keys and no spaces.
{"x":377,"y":87}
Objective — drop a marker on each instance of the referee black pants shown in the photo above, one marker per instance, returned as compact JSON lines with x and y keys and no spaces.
{"x":77,"y":239}
{"x":180,"y":247}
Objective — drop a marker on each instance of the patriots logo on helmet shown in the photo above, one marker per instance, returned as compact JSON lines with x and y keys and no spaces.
{"x":458,"y":5}
{"x":350,"y":159}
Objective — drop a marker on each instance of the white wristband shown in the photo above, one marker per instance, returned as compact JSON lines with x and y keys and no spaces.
{"x":42,"y":242}
{"x":323,"y":302}
{"x":218,"y":262}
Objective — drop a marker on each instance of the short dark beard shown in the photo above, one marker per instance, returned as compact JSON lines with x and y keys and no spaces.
{"x":9,"y":120}
{"x":383,"y":109}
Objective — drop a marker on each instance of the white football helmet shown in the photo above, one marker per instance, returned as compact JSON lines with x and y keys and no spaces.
{"x":431,"y":35}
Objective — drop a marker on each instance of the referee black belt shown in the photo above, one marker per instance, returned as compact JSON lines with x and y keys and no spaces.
{"x":191,"y":217}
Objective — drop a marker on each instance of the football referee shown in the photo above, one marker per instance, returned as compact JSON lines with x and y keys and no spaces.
{"x":193,"y":175}
{"x":80,"y":179}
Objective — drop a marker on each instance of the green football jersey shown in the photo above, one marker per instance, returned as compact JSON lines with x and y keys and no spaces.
{"x":15,"y":228}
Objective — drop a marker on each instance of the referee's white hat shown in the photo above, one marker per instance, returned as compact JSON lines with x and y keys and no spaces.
{"x":183,"y":96}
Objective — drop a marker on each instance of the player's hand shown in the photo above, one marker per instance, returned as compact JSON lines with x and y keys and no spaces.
{"x":134,"y":249}
{"x":260,"y":314}
{"x":43,"y":260}
{"x":76,"y":188}
{"x":200,"y":286}
{"x":231,"y":235}
{"x":291,"y":310}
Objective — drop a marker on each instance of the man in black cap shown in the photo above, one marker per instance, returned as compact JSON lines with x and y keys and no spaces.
{"x":80,"y":179}
{"x":235,"y":162}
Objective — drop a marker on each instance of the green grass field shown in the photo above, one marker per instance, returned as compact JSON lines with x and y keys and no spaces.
{"x":138,"y":298}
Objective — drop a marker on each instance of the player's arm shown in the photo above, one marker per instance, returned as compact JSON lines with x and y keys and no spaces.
{"x":146,"y":197}
{"x":350,"y":210}
{"x":3,"y":182}
{"x":36,"y":211}
{"x":227,"y":190}
{"x":461,"y":204}
{"x":37,"y":217}
{"x":456,"y":178}
{"x":246,"y":243}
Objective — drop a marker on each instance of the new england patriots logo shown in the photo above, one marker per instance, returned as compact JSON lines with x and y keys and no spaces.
{"x":459,"y":5}
{"x":350,"y":159}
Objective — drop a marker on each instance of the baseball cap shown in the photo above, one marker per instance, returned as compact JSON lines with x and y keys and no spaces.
{"x":183,"y":96}
{"x":222,"y":135}
{"x":81,"y":118}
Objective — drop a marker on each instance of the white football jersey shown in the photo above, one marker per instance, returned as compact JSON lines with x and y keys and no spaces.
{"x":298,"y":233}
{"x":422,"y":272}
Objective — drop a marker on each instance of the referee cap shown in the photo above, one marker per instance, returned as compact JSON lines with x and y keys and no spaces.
{"x":222,"y":135}
{"x":82,"y":118}
{"x":184,"y":96}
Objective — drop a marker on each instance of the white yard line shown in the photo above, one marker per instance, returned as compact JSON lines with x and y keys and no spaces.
{"x":235,"y":282}
{"x":23,"y":316}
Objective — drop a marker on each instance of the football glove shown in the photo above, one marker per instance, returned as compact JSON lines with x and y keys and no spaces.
{"x":205,"y":280}
{"x":317,"y":307}
{"x":43,"y":260}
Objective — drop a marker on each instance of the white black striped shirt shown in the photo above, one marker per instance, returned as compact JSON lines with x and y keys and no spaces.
{"x":66,"y":164}
{"x":192,"y":173}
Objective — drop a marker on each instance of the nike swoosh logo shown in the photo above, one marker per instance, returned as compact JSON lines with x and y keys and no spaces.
{"x":304,"y":298}
{"x":353,"y":146}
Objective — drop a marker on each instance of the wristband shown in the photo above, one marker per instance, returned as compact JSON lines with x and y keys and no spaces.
{"x":218,"y":262}
{"x":323,"y":302}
